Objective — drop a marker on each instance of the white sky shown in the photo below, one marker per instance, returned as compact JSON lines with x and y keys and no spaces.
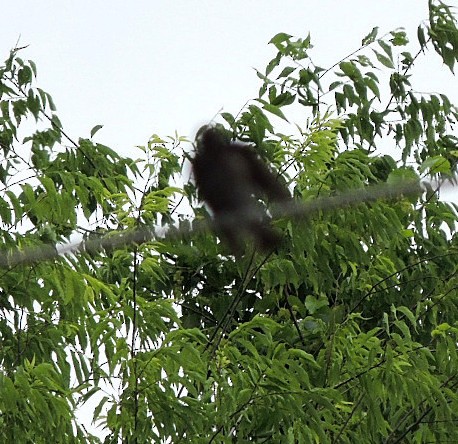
{"x":143,"y":67}
{"x":140,"y":67}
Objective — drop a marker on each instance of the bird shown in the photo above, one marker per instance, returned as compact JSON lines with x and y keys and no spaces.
{"x":231,"y":179}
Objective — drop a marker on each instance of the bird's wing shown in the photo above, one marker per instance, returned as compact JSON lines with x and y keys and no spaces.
{"x":261,"y":176}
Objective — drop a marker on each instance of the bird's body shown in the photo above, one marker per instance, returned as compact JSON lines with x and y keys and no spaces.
{"x":230,"y":179}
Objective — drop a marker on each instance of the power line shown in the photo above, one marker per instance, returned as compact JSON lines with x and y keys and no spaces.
{"x":292,"y":209}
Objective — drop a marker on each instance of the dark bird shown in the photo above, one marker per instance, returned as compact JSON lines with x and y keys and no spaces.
{"x":230,"y":179}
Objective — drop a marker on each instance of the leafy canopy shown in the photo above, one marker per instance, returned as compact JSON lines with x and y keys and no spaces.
{"x":346,"y":333}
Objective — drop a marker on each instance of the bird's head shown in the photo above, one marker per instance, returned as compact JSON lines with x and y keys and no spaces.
{"x":211,"y":138}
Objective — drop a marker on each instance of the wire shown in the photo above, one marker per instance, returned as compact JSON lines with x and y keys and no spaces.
{"x":292,"y":209}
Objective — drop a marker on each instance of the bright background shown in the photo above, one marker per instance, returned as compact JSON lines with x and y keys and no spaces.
{"x":142,"y":67}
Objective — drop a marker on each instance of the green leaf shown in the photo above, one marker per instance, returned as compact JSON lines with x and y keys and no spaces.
{"x":370,"y":38}
{"x":24,"y":76}
{"x":314,"y":304}
{"x":386,"y":48}
{"x":244,"y":396}
{"x":384,"y":60}
{"x":399,"y":38}
{"x":421,"y":36}
{"x":283,"y":99}
{"x":409,"y":315}
{"x":229,"y":118}
{"x":279,"y":38}
{"x":350,"y":70}
{"x":275,"y":110}
{"x":407,"y":174}
{"x":273,"y":64}
{"x":99,"y":408}
{"x":435,"y":165}
{"x":95,"y":129}
{"x":34,"y":104}
{"x":286,"y":72}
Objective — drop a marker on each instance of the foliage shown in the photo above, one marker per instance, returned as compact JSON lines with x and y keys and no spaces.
{"x":347,"y":333}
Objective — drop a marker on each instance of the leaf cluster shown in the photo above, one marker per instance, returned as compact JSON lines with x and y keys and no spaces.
{"x":346,"y":333}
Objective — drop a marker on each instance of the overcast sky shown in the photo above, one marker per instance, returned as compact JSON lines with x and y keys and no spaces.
{"x":140,"y":67}
{"x":143,"y":67}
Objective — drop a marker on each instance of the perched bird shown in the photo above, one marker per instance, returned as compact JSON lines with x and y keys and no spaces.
{"x":230,"y":179}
